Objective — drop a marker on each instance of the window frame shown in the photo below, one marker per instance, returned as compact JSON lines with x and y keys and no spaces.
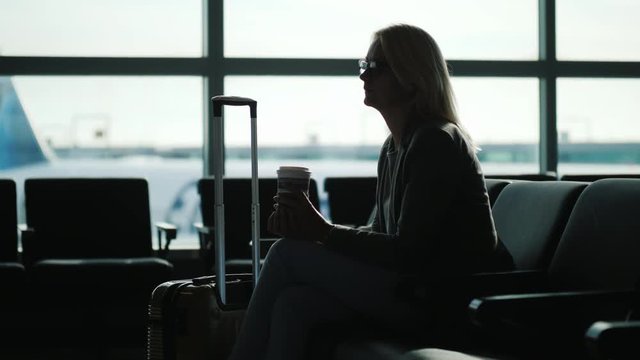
{"x":213,"y":67}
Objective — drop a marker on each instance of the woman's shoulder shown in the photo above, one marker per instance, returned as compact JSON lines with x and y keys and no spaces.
{"x":436,"y":132}
{"x":445,"y":137}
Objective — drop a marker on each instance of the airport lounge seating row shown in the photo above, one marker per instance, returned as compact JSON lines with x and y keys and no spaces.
{"x":564,"y":236}
{"x":351,"y":199}
{"x":574,"y":293}
{"x":87,"y":260}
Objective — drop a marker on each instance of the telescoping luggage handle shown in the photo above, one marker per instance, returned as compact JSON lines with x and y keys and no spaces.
{"x":218,"y":103}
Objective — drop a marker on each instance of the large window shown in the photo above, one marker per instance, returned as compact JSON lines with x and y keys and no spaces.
{"x":125,"y":84}
{"x":326,"y":114}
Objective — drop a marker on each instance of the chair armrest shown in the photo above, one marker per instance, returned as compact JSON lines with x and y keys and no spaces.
{"x":476,"y":285}
{"x":613,"y":340}
{"x":509,"y":282}
{"x":29,"y":248}
{"x":169,"y":229}
{"x":170,"y":232}
{"x":25,"y":230}
{"x":203,"y":229}
{"x":205,"y":234}
{"x":553,"y":312}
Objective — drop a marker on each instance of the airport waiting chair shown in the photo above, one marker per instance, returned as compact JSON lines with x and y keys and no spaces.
{"x":88,"y":243}
{"x":237,"y":204}
{"x":351,"y":199}
{"x":530,"y":217}
{"x":591,"y":277}
{"x":594,"y":177}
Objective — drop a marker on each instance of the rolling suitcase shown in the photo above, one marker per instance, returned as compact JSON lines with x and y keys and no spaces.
{"x":199,"y":318}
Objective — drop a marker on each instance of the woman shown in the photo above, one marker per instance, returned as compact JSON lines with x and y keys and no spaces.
{"x":433,"y":217}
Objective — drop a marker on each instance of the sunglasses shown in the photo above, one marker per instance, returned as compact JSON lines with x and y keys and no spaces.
{"x":365,"y":65}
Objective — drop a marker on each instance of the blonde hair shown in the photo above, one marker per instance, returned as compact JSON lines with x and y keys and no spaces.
{"x":418,"y":64}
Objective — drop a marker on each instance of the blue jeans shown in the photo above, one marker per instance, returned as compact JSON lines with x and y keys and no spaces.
{"x":303,"y":285}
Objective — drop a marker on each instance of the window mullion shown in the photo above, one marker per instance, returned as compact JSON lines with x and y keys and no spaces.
{"x":548,"y":78}
{"x":214,"y":72}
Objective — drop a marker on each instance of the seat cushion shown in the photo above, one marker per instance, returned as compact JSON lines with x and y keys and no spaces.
{"x":94,"y":302}
{"x":440,"y":354}
{"x":125,"y":272}
{"x":379,"y":350}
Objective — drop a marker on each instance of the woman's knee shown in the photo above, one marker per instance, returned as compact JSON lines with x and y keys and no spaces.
{"x":284,"y":247}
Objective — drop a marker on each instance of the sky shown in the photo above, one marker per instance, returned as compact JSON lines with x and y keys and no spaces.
{"x":327,"y":110}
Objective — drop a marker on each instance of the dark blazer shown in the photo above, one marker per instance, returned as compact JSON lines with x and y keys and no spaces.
{"x":440,"y":205}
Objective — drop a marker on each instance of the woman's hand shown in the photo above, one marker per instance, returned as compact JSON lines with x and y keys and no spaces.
{"x":295,"y":217}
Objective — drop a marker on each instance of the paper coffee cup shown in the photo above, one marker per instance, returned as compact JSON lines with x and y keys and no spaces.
{"x":293,"y":179}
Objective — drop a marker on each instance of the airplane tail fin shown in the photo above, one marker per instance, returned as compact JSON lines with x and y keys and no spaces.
{"x":19,"y":145}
